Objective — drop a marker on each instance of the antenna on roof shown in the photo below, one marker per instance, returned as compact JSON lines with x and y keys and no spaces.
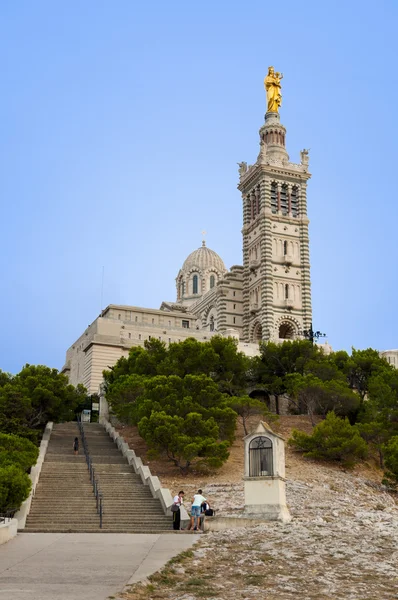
{"x":102,"y":289}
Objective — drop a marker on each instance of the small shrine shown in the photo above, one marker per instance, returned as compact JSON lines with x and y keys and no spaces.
{"x":264,"y":475}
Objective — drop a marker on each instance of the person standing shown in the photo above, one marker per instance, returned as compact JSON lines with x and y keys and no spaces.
{"x":178,"y":501}
{"x":76,"y":446}
{"x":197,"y":502}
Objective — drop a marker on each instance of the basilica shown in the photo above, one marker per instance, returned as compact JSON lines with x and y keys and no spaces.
{"x":268,"y":297}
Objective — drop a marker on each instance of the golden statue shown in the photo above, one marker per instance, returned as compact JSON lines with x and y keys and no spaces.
{"x":272,"y":84}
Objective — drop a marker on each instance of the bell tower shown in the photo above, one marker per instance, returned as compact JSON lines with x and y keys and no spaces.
{"x":276,"y":264}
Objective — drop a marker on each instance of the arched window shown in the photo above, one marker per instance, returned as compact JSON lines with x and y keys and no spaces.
{"x":284,"y":205}
{"x":212,"y":281}
{"x":274,"y":198}
{"x":260,"y":457}
{"x":286,"y":331}
{"x":284,"y":248}
{"x":286,"y":291}
{"x":195,"y":284}
{"x":294,"y":202}
{"x":211,"y":323}
{"x":249,"y":208}
{"x":257,"y":335}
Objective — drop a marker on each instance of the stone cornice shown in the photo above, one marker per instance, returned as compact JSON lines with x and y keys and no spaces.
{"x":291,"y":170}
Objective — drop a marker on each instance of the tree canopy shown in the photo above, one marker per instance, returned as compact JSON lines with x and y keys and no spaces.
{"x":17,"y":456}
{"x":219,"y":359}
{"x":156,"y":385}
{"x":33,"y":397}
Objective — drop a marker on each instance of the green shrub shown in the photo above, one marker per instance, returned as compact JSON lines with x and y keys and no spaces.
{"x":333,"y":439}
{"x":17,"y":451}
{"x":14,"y":487}
{"x":391,"y":461}
{"x":186,"y":441}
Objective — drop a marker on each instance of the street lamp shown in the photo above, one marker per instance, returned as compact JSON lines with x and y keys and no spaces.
{"x":311,"y":335}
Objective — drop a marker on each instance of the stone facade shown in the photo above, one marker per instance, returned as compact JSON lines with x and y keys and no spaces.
{"x":268,"y":298}
{"x":391,"y":356}
{"x":276,"y":274}
{"x":116,"y":331}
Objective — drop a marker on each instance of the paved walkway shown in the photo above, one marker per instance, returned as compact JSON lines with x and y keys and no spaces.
{"x":82,"y":566}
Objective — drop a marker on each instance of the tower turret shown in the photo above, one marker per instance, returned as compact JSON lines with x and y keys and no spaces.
{"x":276,"y":276}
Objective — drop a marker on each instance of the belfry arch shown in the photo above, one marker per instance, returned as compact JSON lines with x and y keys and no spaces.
{"x":287,"y":328}
{"x":286,"y":331}
{"x":257,"y":333}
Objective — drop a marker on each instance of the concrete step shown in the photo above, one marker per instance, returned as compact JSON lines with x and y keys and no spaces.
{"x":74,"y":486}
{"x":83,"y":529}
{"x":109,"y":460}
{"x":64,"y":499}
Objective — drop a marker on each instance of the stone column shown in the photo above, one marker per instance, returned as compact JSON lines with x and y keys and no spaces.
{"x":278,"y":197}
{"x":246,"y":272}
{"x":267,"y":283}
{"x":289,"y":199}
{"x":305,"y":258}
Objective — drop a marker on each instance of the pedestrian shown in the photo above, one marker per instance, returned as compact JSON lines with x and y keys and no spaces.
{"x":76,"y":446}
{"x":176,"y":510}
{"x":197,"y":501}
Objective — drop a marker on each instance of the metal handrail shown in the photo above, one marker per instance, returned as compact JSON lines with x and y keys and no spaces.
{"x":7,"y":515}
{"x":93,"y":478}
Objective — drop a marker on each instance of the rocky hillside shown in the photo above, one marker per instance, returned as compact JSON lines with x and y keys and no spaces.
{"x":342,"y":542}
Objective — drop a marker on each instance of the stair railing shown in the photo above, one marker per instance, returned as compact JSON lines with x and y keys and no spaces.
{"x":93,"y":478}
{"x":7,"y":515}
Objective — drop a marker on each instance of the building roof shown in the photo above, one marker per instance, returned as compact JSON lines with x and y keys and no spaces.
{"x":204,"y":258}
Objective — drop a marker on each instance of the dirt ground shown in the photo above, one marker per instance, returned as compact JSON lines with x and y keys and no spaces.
{"x":232,"y":471}
{"x":341,"y":544}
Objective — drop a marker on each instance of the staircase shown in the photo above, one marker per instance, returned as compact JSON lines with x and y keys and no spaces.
{"x":128,"y":505}
{"x":64,"y":499}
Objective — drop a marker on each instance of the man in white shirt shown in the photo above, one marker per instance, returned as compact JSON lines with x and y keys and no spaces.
{"x":195,"y":510}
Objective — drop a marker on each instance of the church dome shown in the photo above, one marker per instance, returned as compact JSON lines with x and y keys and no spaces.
{"x":204,"y":258}
{"x":201,"y":272}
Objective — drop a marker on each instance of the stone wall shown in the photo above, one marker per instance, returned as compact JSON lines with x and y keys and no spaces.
{"x":8,"y":530}
{"x":153,"y":482}
{"x":34,"y":475}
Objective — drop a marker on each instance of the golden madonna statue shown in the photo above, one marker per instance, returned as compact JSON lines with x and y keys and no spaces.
{"x":272,"y":84}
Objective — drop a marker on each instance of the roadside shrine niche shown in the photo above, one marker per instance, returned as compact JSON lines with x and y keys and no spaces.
{"x":260,"y":457}
{"x":264,"y":476}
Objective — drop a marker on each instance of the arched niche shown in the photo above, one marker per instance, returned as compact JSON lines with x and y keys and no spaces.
{"x":260,"y":457}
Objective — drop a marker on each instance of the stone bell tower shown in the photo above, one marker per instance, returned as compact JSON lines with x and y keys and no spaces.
{"x":276,"y":275}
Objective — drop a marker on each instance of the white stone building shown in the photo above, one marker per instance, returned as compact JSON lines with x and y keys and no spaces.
{"x":268,"y":298}
{"x":391,"y":356}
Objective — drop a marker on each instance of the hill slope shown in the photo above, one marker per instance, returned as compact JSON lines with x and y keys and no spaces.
{"x":342,"y":542}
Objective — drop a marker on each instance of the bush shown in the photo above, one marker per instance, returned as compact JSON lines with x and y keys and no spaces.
{"x":14,"y":487}
{"x":333,"y":439}
{"x":186,"y":441}
{"x":391,"y":461}
{"x":17,"y":451}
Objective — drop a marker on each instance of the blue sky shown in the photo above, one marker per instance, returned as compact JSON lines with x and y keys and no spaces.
{"x":121,"y":126}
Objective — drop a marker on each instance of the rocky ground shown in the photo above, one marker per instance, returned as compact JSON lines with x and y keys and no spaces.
{"x":342,"y":542}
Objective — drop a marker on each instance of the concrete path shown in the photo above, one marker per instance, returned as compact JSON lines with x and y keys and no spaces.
{"x":82,"y":566}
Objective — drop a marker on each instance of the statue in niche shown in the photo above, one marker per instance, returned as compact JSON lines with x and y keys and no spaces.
{"x":272,"y":84}
{"x":304,"y":157}
{"x":242,"y":168}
